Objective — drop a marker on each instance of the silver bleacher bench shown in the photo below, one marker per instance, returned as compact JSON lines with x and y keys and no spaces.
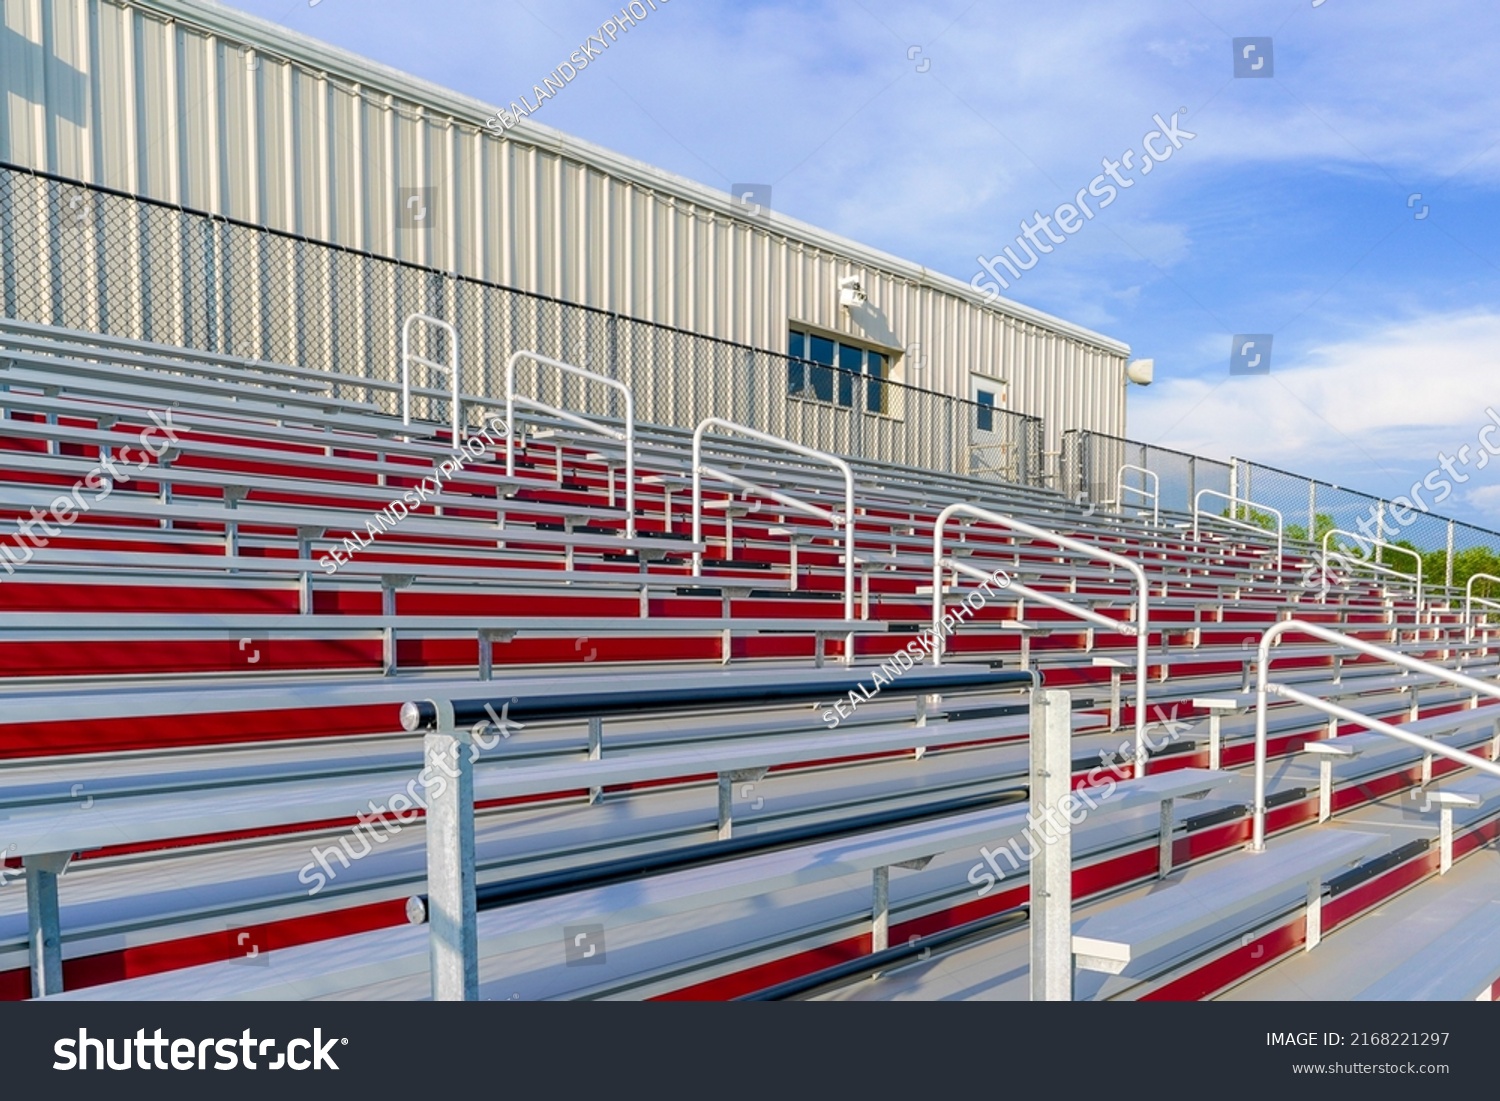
{"x":486,"y":630}
{"x":1219,"y":902}
{"x":1462,"y":966}
{"x":345,"y":965}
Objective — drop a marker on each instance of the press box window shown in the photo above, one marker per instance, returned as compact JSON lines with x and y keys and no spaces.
{"x":834,"y":372}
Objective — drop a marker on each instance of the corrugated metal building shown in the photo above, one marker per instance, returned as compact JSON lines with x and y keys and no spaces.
{"x":199,"y":106}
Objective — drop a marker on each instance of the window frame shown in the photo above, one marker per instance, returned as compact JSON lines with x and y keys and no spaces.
{"x":838,"y":391}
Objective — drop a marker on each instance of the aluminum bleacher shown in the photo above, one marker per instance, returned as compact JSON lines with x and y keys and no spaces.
{"x":207,"y":641}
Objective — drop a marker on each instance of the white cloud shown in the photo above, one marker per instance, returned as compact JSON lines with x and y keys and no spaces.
{"x":1177,"y":52}
{"x":1388,"y":401}
{"x":1485,"y":499}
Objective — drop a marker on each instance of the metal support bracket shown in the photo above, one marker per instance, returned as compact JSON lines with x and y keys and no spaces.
{"x":44,"y":921}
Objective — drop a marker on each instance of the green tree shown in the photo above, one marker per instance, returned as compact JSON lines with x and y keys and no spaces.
{"x":1247,"y":515}
{"x":1322,"y":525}
{"x":1466,"y":563}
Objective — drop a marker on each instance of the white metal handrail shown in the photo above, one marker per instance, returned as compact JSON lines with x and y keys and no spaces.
{"x":1264,"y":687}
{"x":1244,"y":524}
{"x":1374,"y":567}
{"x":512,"y":399}
{"x":1153,"y":494}
{"x":407,"y":359}
{"x":1470,"y":600}
{"x":846,"y":521}
{"x":1142,"y":626}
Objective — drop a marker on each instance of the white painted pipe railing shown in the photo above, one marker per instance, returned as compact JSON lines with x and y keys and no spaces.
{"x":1470,"y":600}
{"x":1152,"y":495}
{"x":1373,"y":567}
{"x":1244,"y":525}
{"x":451,"y":366}
{"x":1265,"y":687}
{"x":1142,"y":626}
{"x":846,"y":520}
{"x":627,"y":436}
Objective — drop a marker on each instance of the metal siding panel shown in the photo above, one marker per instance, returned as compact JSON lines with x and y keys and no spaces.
{"x":530,"y":224}
{"x":197,"y":95}
{"x":688,"y":270}
{"x":442,"y":177}
{"x":488,"y":215}
{"x":570,"y":275}
{"x":344,"y":152}
{"x":368,"y":184}
{"x":404,"y":168}
{"x":587,"y":245}
{"x":715,"y":263}
{"x":232,"y":99}
{"x":642,"y":260}
{"x":556,"y":232}
{"x":303,"y":151}
{"x":23,"y":121}
{"x":153,"y":108}
{"x":266,"y":136}
{"x":68,"y":88}
{"x":322,"y":160}
{"x":118,"y":119}
{"x":662,"y":306}
{"x":379,"y":189}
{"x":468,"y":205}
{"x":519,"y":222}
{"x":620,"y":203}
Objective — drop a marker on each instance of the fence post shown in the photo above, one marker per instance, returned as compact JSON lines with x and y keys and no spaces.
{"x":1448,"y":578}
{"x":858,"y":408}
{"x":1085,"y":467}
{"x":1312,"y":510}
{"x":1379,"y":528}
{"x":953,"y":450}
{"x":1031,"y":451}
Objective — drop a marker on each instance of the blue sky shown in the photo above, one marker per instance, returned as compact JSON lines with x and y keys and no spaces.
{"x":931,"y":130}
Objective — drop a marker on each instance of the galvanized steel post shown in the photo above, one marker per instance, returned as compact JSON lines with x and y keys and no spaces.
{"x":1052,"y":866}
{"x":451,"y":906}
{"x":44,"y":921}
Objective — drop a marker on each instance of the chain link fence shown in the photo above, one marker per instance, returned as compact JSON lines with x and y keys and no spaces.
{"x":1451,"y":551}
{"x":99,"y":260}
{"x":1094,"y":467}
{"x":103,"y":261}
